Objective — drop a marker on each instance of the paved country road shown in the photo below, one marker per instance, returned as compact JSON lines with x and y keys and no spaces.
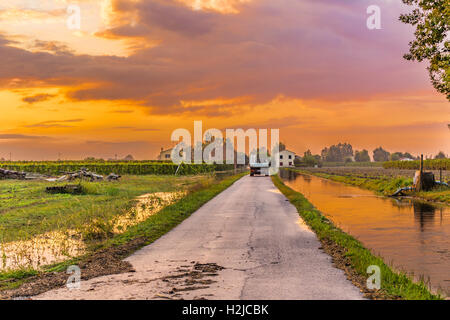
{"x":246,"y":243}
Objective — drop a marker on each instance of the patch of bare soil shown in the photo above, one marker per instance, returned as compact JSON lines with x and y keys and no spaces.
{"x":191,"y":277}
{"x":102,"y":263}
{"x":341,"y":261}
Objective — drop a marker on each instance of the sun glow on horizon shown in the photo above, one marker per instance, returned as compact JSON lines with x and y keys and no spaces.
{"x":139,"y":69}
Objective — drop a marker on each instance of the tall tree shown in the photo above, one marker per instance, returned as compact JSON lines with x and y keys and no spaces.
{"x":380,"y":155}
{"x":440,"y":155}
{"x":431,"y":19}
{"x":337,"y":153}
{"x":400,"y":155}
{"x":362,"y":156}
{"x":310,"y":160}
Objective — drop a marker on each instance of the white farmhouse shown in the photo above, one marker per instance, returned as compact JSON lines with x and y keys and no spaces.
{"x":165,"y":155}
{"x":287,"y":159}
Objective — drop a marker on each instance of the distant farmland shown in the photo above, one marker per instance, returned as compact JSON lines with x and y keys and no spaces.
{"x":118,"y":167}
{"x":435,"y":164}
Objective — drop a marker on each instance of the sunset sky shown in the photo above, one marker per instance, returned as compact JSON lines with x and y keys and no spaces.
{"x":138,"y":69}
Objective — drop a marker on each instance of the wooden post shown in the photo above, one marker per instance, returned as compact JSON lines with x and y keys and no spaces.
{"x":420,"y":184}
{"x":421,"y":164}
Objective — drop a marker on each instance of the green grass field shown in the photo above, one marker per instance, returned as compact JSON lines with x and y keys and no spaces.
{"x":26,"y":210}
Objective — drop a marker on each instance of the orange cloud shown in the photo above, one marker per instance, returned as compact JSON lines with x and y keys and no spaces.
{"x":310,"y":68}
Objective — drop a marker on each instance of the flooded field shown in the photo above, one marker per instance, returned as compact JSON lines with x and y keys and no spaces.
{"x":57,"y":246}
{"x":412,"y":236}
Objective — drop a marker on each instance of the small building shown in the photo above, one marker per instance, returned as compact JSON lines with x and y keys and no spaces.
{"x":287,"y":159}
{"x":165,"y":155}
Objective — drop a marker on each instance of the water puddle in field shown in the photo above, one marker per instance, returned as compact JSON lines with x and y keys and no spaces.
{"x":148,"y":205}
{"x":413,"y":236}
{"x":44,"y":249}
{"x":56,"y":246}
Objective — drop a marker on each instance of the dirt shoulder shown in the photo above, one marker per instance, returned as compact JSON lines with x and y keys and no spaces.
{"x":105,"y":262}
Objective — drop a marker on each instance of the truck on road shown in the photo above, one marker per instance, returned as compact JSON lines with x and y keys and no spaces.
{"x":259,"y":168}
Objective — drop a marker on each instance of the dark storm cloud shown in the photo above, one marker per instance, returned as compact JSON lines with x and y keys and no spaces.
{"x":38,"y":98}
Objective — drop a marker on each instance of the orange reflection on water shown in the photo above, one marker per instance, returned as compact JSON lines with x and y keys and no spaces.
{"x":413,"y":236}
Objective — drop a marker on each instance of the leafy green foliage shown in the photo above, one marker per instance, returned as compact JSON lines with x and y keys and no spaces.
{"x":431,"y":19}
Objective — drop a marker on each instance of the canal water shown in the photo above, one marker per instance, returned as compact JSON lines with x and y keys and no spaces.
{"x":412,"y":236}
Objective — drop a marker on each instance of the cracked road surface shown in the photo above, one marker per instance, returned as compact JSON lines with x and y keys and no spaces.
{"x":246,"y":243}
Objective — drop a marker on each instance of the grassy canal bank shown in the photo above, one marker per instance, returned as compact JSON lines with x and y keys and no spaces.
{"x":352,"y":257}
{"x":105,"y":255}
{"x":381,"y":181}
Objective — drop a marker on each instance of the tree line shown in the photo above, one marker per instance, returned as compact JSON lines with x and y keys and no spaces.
{"x":343,"y":152}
